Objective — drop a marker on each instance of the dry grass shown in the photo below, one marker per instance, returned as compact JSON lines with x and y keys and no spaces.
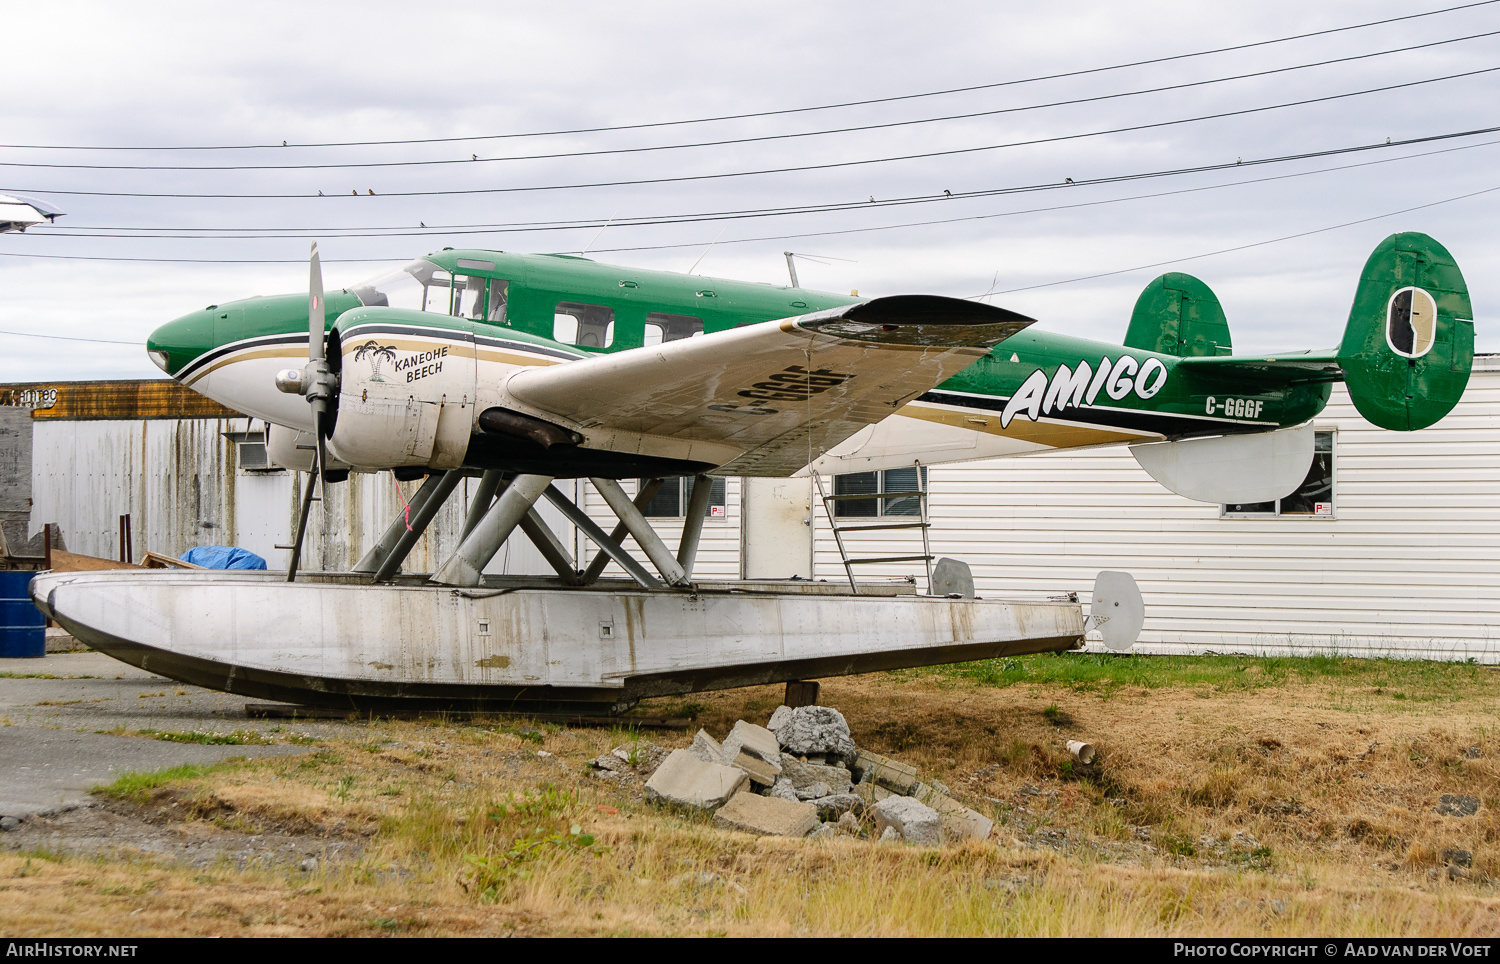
{"x":1292,"y":804}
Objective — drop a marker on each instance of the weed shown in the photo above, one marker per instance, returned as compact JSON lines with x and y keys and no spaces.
{"x":237,"y":738}
{"x":1051,"y":711}
{"x":27,"y":870}
{"x":345,"y":784}
{"x":138,"y":787}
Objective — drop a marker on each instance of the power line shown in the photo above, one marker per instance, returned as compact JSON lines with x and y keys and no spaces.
{"x":736,"y":141}
{"x":1246,"y":247}
{"x":769,"y":113}
{"x":98,"y":341}
{"x":836,"y":231}
{"x":832,"y":165}
{"x":835,"y":207}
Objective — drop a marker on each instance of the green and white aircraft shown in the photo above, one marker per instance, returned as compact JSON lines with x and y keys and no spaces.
{"x":559,"y":366}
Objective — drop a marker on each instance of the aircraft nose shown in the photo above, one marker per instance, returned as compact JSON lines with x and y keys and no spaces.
{"x":172,"y":346}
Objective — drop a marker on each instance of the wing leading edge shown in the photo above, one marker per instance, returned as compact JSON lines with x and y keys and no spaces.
{"x":766,"y":399}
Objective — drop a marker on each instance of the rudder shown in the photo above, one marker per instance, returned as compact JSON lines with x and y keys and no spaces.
{"x":1409,"y":344}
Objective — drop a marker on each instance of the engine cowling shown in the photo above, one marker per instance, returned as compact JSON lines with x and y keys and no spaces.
{"x":406,"y":393}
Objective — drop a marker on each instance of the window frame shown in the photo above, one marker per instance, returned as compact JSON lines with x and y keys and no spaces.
{"x":882,"y":504}
{"x":719,"y":489}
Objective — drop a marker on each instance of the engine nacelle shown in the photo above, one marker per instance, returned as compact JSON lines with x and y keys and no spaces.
{"x":406,"y":395}
{"x":295,"y":450}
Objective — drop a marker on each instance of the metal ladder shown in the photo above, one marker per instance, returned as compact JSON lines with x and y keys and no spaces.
{"x":920,"y":494}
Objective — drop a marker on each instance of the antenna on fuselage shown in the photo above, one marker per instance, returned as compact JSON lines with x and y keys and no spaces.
{"x":791,"y":267}
{"x":598,"y":232}
{"x":707,"y":250}
{"x":791,"y":262}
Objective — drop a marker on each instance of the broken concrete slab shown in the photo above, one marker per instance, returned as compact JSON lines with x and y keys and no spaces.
{"x":686,"y":781}
{"x":754,"y":740}
{"x":706,"y":748}
{"x":807,"y":730}
{"x":871,"y":793}
{"x":885,"y":772}
{"x":914,"y":820}
{"x":767,"y":816}
{"x":783,"y":788}
{"x":958,"y":821}
{"x":837,"y":805}
{"x":806,"y":774}
{"x":761,"y":773}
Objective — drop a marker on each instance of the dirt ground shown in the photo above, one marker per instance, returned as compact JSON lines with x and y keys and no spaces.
{"x":1331,"y":803}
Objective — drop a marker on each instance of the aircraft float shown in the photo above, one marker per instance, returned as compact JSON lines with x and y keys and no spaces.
{"x":521,"y":369}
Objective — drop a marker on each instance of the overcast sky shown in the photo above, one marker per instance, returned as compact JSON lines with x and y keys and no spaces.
{"x":154,"y":75}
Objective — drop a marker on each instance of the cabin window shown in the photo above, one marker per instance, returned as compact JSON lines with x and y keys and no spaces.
{"x":587,"y":326}
{"x":661,"y":327}
{"x":499,"y":294}
{"x":469,"y":299}
{"x":1313,"y":499}
{"x":671,"y":500}
{"x":894,"y":492}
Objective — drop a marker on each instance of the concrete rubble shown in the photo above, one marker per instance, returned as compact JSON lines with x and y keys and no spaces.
{"x":801,"y":775}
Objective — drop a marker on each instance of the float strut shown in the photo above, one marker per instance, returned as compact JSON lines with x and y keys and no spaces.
{"x":466,"y":566}
{"x":609,"y":546}
{"x":420,"y":517}
{"x":640,"y":528}
{"x":484,"y":494}
{"x":692,"y":523}
{"x":649,"y":488}
{"x":393,"y":533}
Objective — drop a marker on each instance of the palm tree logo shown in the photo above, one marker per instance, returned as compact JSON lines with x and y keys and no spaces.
{"x":376,"y":351}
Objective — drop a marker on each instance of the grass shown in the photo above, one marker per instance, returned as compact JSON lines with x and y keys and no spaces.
{"x":7,"y":675}
{"x":236,"y":738}
{"x":1295,"y":798}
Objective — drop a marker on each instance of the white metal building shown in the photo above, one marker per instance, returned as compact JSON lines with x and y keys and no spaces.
{"x":1405,"y":561}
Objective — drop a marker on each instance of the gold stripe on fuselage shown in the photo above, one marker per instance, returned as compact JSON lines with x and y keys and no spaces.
{"x":459,"y":349}
{"x":1061,"y":435}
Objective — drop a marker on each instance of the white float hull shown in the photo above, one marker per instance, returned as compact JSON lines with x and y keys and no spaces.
{"x":336,"y":640}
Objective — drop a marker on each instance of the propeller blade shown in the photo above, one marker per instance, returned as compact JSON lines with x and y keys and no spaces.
{"x":316,"y":331}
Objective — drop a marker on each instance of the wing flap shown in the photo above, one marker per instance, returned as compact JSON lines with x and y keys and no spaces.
{"x":779,"y":393}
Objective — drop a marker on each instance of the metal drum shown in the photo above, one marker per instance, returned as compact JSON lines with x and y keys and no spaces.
{"x":23,"y":628}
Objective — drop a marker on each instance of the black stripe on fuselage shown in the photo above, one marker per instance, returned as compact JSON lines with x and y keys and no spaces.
{"x":1166,"y":424}
{"x":213,"y":355}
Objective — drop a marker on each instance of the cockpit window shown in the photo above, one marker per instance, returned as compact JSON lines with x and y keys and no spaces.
{"x":417,"y":286}
{"x":423,"y":286}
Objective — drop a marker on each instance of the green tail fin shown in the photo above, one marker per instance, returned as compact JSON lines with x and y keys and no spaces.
{"x":1409,"y":343}
{"x":1178,"y":315}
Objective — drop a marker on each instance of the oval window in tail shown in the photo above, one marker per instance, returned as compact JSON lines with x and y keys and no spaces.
{"x":1411,"y":322}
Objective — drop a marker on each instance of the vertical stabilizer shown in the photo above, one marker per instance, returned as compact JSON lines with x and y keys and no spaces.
{"x":1409,"y":343}
{"x":1178,"y":315}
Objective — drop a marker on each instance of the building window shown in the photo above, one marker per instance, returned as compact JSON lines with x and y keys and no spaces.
{"x":587,"y":326}
{"x":1313,"y":498}
{"x":671,"y":500}
{"x":892,"y":492}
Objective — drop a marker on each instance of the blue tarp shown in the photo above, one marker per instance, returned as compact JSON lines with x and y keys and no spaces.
{"x":223,"y":557}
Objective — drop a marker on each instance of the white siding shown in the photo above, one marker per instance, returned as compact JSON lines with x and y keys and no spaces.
{"x":1409,"y":565}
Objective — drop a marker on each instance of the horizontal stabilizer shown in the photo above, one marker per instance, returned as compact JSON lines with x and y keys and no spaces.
{"x":1231,"y":469}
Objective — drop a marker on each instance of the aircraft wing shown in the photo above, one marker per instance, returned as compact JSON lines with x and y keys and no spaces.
{"x":778,"y":393}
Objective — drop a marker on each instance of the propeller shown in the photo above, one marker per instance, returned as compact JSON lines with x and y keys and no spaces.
{"x":320,"y":384}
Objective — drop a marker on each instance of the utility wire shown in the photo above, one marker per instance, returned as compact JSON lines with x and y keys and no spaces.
{"x":654,"y":220}
{"x":1245,"y":247}
{"x":735,"y":141}
{"x":832,"y":165}
{"x":440,"y":230}
{"x":759,"y":114}
{"x":862,"y":230}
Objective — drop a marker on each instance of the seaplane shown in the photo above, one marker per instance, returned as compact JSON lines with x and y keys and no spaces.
{"x":521,"y":369}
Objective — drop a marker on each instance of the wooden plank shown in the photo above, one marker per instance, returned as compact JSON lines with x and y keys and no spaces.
{"x":116,"y":399}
